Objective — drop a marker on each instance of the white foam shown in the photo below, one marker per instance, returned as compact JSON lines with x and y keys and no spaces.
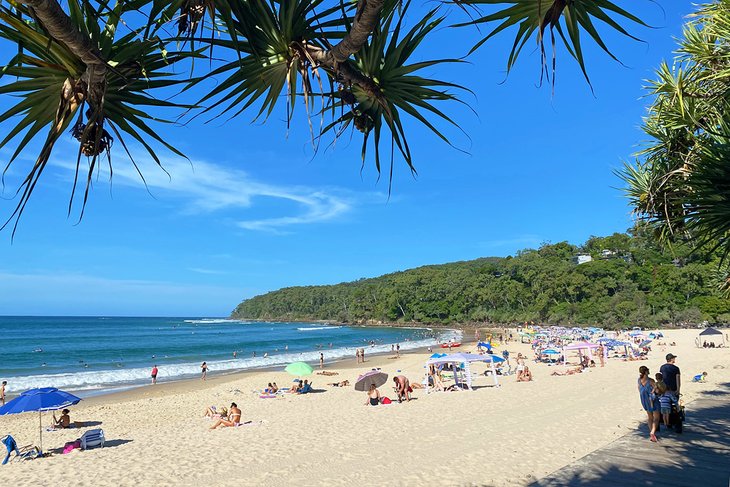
{"x":115,"y":378}
{"x":213,"y":321}
{"x":312,"y":328}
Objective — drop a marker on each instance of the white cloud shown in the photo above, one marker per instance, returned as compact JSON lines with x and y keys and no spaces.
{"x":207,"y":187}
{"x":200,"y":270}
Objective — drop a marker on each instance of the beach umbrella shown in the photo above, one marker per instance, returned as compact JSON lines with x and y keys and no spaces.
{"x":42,"y":399}
{"x":550,"y":351}
{"x":644,"y":343}
{"x":374,"y":377}
{"x":437,"y":355}
{"x":299,"y":369}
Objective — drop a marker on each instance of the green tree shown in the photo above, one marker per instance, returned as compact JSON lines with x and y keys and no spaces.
{"x":680,"y":182}
{"x":107,"y":70}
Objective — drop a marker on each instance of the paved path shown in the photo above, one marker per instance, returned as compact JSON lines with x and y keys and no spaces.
{"x":700,"y":456}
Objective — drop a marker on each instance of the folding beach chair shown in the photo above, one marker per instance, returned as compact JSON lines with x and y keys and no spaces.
{"x":92,"y":438}
{"x":27,"y":452}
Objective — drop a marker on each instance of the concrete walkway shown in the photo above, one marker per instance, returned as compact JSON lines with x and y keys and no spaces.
{"x":700,"y":456}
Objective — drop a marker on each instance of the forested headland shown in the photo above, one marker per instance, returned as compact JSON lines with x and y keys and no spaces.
{"x":629,"y":280}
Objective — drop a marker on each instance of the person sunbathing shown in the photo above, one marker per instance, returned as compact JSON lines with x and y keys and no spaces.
{"x":306,"y":388}
{"x":213,"y":412}
{"x":373,"y":396}
{"x":327,"y":372}
{"x":576,"y":370}
{"x":526,"y":375}
{"x":234,"y":418}
{"x":63,"y":422}
{"x":295,"y":388}
{"x":344,"y":383}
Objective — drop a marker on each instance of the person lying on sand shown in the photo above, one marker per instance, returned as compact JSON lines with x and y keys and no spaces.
{"x":576,"y":370}
{"x":215,"y":413}
{"x":344,"y":383}
{"x":234,"y":418}
{"x":327,"y":372}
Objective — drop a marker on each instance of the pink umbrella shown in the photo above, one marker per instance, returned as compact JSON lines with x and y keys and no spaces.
{"x":374,"y":377}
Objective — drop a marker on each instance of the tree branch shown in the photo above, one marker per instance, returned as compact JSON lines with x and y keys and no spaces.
{"x":344,"y":71}
{"x":366,"y":19}
{"x":62,"y":29}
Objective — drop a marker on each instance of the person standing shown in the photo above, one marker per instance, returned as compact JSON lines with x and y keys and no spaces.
{"x":649,"y":400}
{"x":601,"y":354}
{"x":154,"y":375}
{"x":2,"y":392}
{"x":204,"y":371}
{"x":397,"y":350}
{"x":321,"y":360}
{"x":671,"y":375}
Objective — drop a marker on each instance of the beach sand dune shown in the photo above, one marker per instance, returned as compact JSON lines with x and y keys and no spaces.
{"x":509,"y":435}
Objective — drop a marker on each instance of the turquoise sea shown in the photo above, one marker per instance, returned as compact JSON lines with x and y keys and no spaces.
{"x":98,"y":354}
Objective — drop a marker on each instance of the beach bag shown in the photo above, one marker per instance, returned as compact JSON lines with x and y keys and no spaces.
{"x":386,"y":400}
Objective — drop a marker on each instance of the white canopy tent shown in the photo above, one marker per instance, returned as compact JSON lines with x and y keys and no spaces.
{"x":466,"y":359}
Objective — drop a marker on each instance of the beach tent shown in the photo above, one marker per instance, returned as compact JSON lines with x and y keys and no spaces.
{"x":466,"y":359}
{"x":711,"y":335}
{"x":580,"y":347}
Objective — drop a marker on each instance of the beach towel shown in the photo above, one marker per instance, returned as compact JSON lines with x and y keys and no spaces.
{"x":386,"y":400}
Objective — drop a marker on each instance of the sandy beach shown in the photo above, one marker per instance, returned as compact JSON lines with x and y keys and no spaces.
{"x":510,"y":435}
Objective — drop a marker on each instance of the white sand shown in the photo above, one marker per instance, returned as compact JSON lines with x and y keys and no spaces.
{"x":492,"y":436}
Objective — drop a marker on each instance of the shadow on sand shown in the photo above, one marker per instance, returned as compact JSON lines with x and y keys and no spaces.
{"x":698,"y":456}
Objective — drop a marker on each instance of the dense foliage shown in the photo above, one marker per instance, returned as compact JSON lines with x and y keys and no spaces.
{"x":681,"y":179}
{"x":630,"y":281}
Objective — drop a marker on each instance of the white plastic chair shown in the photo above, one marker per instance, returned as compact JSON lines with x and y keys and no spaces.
{"x":92,"y":438}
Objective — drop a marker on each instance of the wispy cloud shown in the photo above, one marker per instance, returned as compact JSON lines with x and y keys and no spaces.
{"x":206,"y":187}
{"x":200,"y":270}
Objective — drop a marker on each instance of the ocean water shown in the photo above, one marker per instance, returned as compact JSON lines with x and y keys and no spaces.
{"x":99,"y":354}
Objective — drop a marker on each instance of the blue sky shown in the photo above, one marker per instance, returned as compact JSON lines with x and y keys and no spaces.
{"x":256,"y":211}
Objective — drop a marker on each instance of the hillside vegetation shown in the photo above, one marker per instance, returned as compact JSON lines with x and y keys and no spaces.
{"x":630,"y":281}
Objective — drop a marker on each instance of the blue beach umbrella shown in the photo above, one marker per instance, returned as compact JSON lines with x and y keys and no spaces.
{"x":550,"y":351}
{"x":42,"y":399}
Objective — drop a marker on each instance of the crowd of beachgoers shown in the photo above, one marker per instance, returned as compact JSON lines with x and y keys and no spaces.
{"x":478,"y":379}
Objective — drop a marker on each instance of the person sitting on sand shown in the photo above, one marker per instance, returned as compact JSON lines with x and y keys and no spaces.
{"x":234,"y":418}
{"x":215,"y":413}
{"x":269,"y":389}
{"x":402,"y":388}
{"x":296,"y":386}
{"x":307,"y":387}
{"x":525,"y":376}
{"x":344,"y":383}
{"x":63,"y":422}
{"x":373,"y":396}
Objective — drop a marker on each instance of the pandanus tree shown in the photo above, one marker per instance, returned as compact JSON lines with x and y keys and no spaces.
{"x":105,"y":73}
{"x":680,"y":180}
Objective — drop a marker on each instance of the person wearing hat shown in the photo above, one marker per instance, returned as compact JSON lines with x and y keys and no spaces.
{"x":671,"y":374}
